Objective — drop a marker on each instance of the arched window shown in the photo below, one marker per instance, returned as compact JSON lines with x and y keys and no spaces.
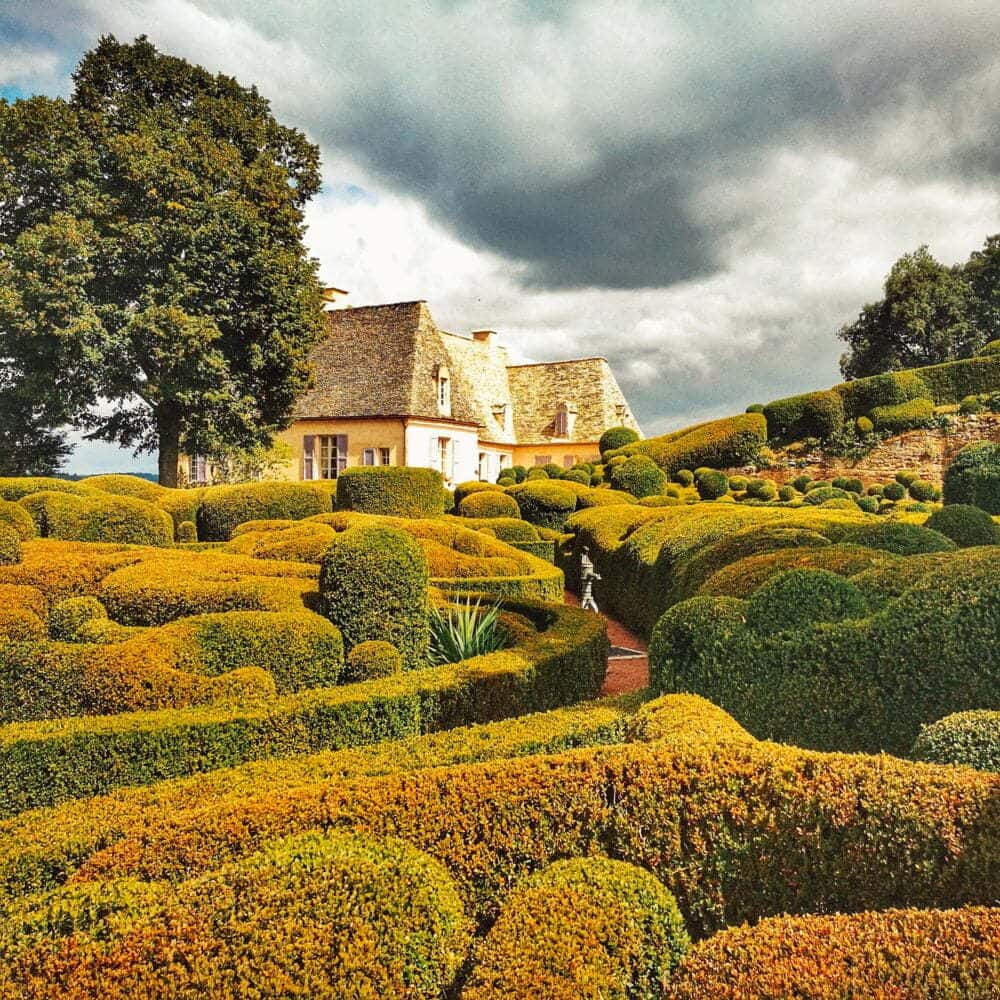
{"x":565,"y":418}
{"x":443,"y":391}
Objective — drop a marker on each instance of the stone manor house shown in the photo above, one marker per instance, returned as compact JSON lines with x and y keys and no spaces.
{"x":391,"y":388}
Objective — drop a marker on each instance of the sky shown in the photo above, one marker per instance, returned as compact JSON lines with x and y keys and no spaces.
{"x":701,"y":191}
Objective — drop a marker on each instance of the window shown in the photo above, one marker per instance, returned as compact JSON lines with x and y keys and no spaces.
{"x":199,"y":469}
{"x":543,"y":460}
{"x":565,"y":419}
{"x":324,"y":456}
{"x":444,"y":451}
{"x":569,"y":461}
{"x":444,"y":391}
{"x":484,"y":467}
{"x":375,"y":456}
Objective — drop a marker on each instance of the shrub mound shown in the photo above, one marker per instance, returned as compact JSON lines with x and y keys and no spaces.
{"x":370,"y":660}
{"x":225,"y":507}
{"x":813,"y":414}
{"x":373,"y":584}
{"x":98,"y":518}
{"x":799,"y":597}
{"x":488,"y":503}
{"x":965,"y":525}
{"x":815,"y":685}
{"x":640,"y":476}
{"x":911,"y":954}
{"x":397,"y":491}
{"x":969,"y":738}
{"x":616,"y":437}
{"x":314,"y":915}
{"x":15,"y":517}
{"x":903,"y":416}
{"x":545,"y":504}
{"x":10,"y":545}
{"x":583,"y":927}
{"x":974,"y":476}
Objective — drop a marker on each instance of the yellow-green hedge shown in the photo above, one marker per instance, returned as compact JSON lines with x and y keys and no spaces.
{"x":98,"y":518}
{"x":222,"y":508}
{"x":563,"y":662}
{"x":396,"y":491}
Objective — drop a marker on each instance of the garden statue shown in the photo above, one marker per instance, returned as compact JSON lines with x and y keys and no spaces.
{"x":587,"y":578}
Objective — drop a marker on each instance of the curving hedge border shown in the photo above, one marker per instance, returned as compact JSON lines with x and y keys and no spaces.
{"x":563,"y":663}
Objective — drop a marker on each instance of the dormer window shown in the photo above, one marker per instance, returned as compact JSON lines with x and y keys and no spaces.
{"x":565,"y":419}
{"x":500,"y":414}
{"x":620,"y":410}
{"x":443,"y":391}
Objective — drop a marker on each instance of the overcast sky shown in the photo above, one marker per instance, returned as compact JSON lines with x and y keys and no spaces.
{"x":700,"y":190}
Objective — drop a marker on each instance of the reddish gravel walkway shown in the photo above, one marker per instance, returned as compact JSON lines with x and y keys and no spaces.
{"x":625,"y":672}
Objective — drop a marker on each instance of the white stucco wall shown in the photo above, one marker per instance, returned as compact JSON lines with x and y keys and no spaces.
{"x":422,"y":450}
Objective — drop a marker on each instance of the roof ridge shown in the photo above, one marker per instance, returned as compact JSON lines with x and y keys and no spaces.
{"x":567,"y":361}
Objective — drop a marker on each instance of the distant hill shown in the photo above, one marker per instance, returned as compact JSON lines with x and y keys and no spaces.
{"x":75,"y":477}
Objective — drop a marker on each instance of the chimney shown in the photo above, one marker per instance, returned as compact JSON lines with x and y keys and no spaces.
{"x":484,"y":337}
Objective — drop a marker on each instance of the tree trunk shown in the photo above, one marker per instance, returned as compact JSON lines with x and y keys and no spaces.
{"x":168,"y":430}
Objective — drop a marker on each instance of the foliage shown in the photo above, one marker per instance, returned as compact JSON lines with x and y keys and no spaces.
{"x":799,"y":597}
{"x":965,"y":525}
{"x":170,"y":268}
{"x":616,"y":437}
{"x":98,"y":517}
{"x":68,"y":618}
{"x":399,"y":491}
{"x":373,"y":585}
{"x":903,"y":416}
{"x":974,"y":477}
{"x":971,"y":739}
{"x":545,"y":504}
{"x":260,"y":463}
{"x":223,"y":508}
{"x":815,"y":414}
{"x":587,"y":926}
{"x":916,"y":954}
{"x":711,"y":484}
{"x":460,"y":632}
{"x":10,"y":545}
{"x":924,"y":318}
{"x":488,"y":504}
{"x":370,"y":660}
{"x":640,"y":476}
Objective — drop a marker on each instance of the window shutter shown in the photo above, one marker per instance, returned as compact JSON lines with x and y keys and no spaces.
{"x":433,"y":462}
{"x":341,"y":453}
{"x":309,"y":456}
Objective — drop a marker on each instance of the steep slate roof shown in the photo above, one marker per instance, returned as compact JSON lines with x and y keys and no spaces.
{"x":383,"y":361}
{"x":589,"y":384}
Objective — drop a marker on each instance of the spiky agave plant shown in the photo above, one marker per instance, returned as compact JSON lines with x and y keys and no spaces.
{"x":465,"y":629}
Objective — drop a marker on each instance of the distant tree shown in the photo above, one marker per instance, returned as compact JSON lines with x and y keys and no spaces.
{"x":154,"y":286}
{"x":925,"y":318}
{"x":983,"y":274}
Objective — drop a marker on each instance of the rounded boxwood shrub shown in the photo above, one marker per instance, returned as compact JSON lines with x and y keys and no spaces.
{"x":903,"y":416}
{"x":907,"y":476}
{"x":875,"y":490}
{"x":684,"y":477}
{"x":462,"y":490}
{"x":787,"y":493}
{"x":922,"y":490}
{"x":68,"y":617}
{"x":224,"y":507}
{"x":894,"y":491}
{"x":971,"y":404}
{"x":755,"y":408}
{"x":187,"y":531}
{"x":616,"y":437}
{"x":712,"y":484}
{"x":821,"y":494}
{"x":370,"y":660}
{"x":974,"y":477}
{"x":536,"y":472}
{"x":397,"y":491}
{"x":892,"y":536}
{"x":487,"y":503}
{"x":581,"y":476}
{"x":762,"y":489}
{"x":554,"y":471}
{"x":868,"y":504}
{"x":545,"y":503}
{"x":801,"y":597}
{"x":968,"y":738}
{"x":15,"y":516}
{"x":738,"y":483}
{"x":849,"y":484}
{"x":584,"y":927}
{"x":640,"y":476}
{"x":506,"y":481}
{"x":801,"y":483}
{"x":373,"y":584}
{"x":965,"y":525}
{"x":864,"y":425}
{"x":10,"y":545}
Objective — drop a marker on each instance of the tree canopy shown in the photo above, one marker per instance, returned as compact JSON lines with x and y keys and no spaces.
{"x":930,"y":313}
{"x":154,"y":285}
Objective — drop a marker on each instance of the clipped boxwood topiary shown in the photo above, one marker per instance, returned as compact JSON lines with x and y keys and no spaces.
{"x":712,"y":484}
{"x":373,"y":583}
{"x":545,"y":503}
{"x":849,"y":484}
{"x":814,"y":414}
{"x":536,"y":472}
{"x":370,"y":660}
{"x":864,"y":425}
{"x":965,"y":525}
{"x":684,"y":477}
{"x":584,"y":927}
{"x":488,"y":503}
{"x":762,"y":489}
{"x":187,"y":532}
{"x":903,"y":416}
{"x":974,"y":477}
{"x":224,"y":507}
{"x":787,"y":493}
{"x":397,"y":491}
{"x":922,"y":490}
{"x":581,"y":476}
{"x":616,"y":437}
{"x":15,"y":516}
{"x":892,"y":536}
{"x":640,"y":476}
{"x":10,"y":546}
{"x":68,"y":617}
{"x":968,"y":738}
{"x":907,"y":476}
{"x":801,"y":597}
{"x":894,"y":491}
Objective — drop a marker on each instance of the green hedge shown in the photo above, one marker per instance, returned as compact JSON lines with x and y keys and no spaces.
{"x":224,"y":507}
{"x":968,"y":738}
{"x":546,"y":504}
{"x":564,"y":662}
{"x":373,"y":586}
{"x":974,"y":477}
{"x":10,"y":545}
{"x":903,"y":416}
{"x":14,"y":516}
{"x":582,"y":927}
{"x":488,"y":503}
{"x":891,"y":389}
{"x":965,"y":525}
{"x":867,"y":683}
{"x":813,"y":414}
{"x":398,"y":491}
{"x":98,"y":518}
{"x":640,"y":476}
{"x":616,"y":437}
{"x":719,"y":444}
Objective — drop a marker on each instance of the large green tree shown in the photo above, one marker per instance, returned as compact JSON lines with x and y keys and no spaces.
{"x":983,"y":273}
{"x":154,"y":286}
{"x":926,"y":317}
